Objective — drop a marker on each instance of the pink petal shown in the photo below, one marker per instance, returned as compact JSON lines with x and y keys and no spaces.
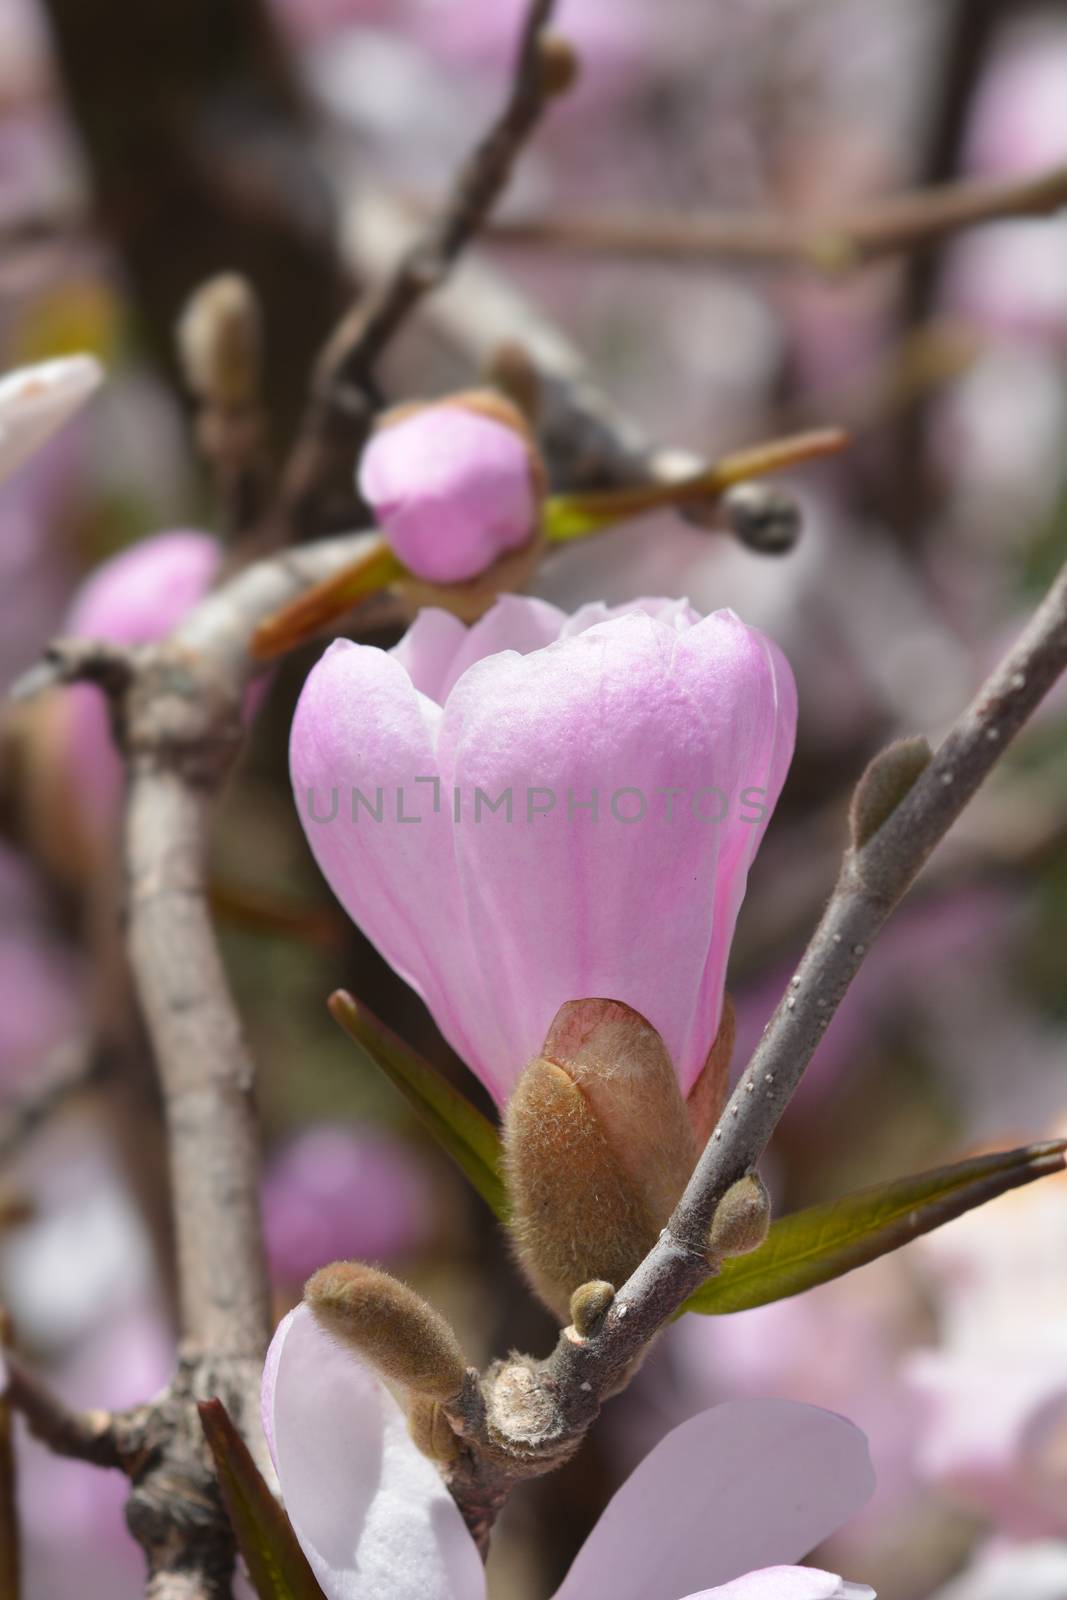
{"x":563,"y":905}
{"x":516,"y":622}
{"x":437,"y":649}
{"x":751,"y":1484}
{"x":362,"y":736}
{"x":428,"y":649}
{"x":787,"y":1583}
{"x":370,"y":1511}
{"x":451,"y":490}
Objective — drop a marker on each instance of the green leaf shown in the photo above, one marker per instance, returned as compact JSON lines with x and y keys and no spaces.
{"x":469,"y":1138}
{"x":824,"y":1242}
{"x":276,"y":1564}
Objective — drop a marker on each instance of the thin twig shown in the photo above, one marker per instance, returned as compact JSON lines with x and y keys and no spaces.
{"x":65,"y":1073}
{"x":344,"y":394}
{"x":835,"y":243}
{"x":360,"y":340}
{"x":90,"y":1436}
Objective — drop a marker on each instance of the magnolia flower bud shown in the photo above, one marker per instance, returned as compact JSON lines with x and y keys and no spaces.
{"x":390,"y":1326}
{"x":589,"y":1304}
{"x":220,"y":341}
{"x":454,"y":485}
{"x":598,"y":1148}
{"x":886,"y":780}
{"x":559,"y":64}
{"x":741,"y":1219}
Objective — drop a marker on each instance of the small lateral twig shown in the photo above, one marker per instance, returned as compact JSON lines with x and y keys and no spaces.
{"x":837,"y":242}
{"x":66,"y":1073}
{"x":91,"y":1436}
{"x":344,"y":392}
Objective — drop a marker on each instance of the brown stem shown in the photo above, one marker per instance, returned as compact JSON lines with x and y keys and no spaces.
{"x":834,"y":243}
{"x":343,"y":395}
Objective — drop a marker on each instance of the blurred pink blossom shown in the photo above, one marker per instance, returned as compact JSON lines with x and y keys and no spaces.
{"x":136,"y":597}
{"x":333,"y":1193}
{"x":993,"y":1427}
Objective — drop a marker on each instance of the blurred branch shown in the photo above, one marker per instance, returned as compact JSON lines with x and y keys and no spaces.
{"x":344,"y":390}
{"x":83,"y":1435}
{"x":179,"y":708}
{"x":63,"y":1075}
{"x":587,"y":441}
{"x":565,"y":1392}
{"x":193,"y":128}
{"x":836,"y":243}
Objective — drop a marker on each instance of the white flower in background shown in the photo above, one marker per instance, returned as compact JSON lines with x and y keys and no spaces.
{"x":994,"y":1388}
{"x":36,"y":401}
{"x":1035,"y":1571}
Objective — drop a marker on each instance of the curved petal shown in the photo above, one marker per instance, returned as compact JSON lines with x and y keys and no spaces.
{"x":371,"y":1513}
{"x":665,"y":732}
{"x":363,"y":766}
{"x":516,"y":622}
{"x":747,"y":1485}
{"x":36,"y":401}
{"x":428,"y":649}
{"x":788,"y":1583}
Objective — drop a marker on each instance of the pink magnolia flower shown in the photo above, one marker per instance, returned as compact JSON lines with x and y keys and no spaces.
{"x":452,"y":489}
{"x":545,"y":808}
{"x":335,"y":1192}
{"x":751,"y":1485}
{"x":136,"y":597}
{"x":36,"y":401}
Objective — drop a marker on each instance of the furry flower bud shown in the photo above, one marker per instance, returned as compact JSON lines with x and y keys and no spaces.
{"x":598,"y":1147}
{"x":741,"y":1219}
{"x":390,"y":1326}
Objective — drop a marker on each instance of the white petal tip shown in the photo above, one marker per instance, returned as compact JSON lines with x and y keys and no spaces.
{"x":36,"y":401}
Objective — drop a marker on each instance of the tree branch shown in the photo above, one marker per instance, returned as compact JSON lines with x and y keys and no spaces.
{"x":832,"y":244}
{"x":178,"y":708}
{"x":92,"y":1436}
{"x":344,"y":393}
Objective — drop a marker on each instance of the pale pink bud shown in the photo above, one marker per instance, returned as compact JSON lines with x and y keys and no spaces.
{"x":453,"y":486}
